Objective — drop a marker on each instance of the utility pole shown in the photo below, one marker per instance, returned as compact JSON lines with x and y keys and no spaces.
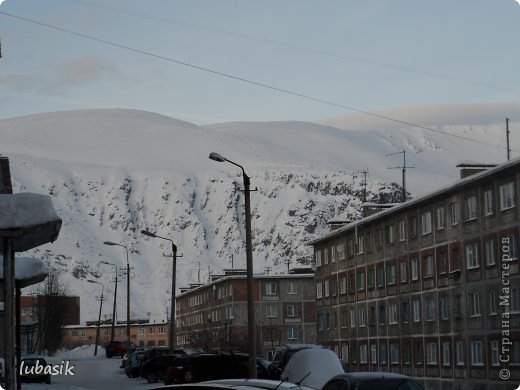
{"x":288,"y":262}
{"x":364,"y":172}
{"x":507,"y":139}
{"x":403,"y":167}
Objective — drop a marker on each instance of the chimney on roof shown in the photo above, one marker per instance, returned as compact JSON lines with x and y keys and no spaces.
{"x":469,"y":169}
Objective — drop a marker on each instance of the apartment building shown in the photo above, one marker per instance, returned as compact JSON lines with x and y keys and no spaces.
{"x":213,"y":316}
{"x":429,"y":288}
{"x":143,"y":334}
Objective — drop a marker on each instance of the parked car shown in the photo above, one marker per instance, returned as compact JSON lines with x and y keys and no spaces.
{"x":211,"y":366}
{"x":284,"y":353}
{"x":371,"y":381}
{"x":154,"y":370}
{"x":134,"y":363}
{"x":34,"y":370}
{"x":118,"y":348}
{"x":154,"y":352}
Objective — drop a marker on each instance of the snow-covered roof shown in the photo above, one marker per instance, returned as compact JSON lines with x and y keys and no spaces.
{"x":28,"y":271}
{"x":28,"y":219}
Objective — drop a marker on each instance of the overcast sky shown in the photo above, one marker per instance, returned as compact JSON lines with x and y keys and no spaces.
{"x":368,"y":55}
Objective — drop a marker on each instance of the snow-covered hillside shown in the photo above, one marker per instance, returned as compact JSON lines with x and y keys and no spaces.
{"x":114,"y":172}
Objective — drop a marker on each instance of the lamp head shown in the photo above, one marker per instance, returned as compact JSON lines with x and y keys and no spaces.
{"x":109,"y":243}
{"x":217,"y":157}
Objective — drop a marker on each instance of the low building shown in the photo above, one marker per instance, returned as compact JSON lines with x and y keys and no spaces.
{"x":429,"y":288}
{"x":143,"y":334}
{"x":214,"y":315}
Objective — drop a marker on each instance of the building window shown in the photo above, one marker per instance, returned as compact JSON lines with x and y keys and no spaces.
{"x":373,"y":353}
{"x":352,"y":318}
{"x":368,"y":242}
{"x":317,"y":256}
{"x":319,"y":290}
{"x":292,"y":311}
{"x":488,"y":202}
{"x":270,"y":288}
{"x":428,"y":266}
{"x":476,"y":353}
{"x":430,"y":309}
{"x":459,"y":349}
{"x":445,"y":308}
{"x":271,"y":311}
{"x":363,"y":353}
{"x":446,"y":353}
{"x":455,"y":214}
{"x":327,"y":320}
{"x":74,"y":333}
{"x":507,"y":196}
{"x":404,"y":312}
{"x":394,"y":353}
{"x":343,"y":285}
{"x":370,"y":278}
{"x":392,"y":313}
{"x":413,"y":227}
{"x":360,"y":244}
{"x":350,"y":248}
{"x":389,"y":234}
{"x":292,"y":333}
{"x":380,"y":277}
{"x":381,"y":314}
{"x":390,"y":274}
{"x":361,"y":280}
{"x":402,"y":231}
{"x":292,"y":288}
{"x":340,"y":250}
{"x":426,"y":222}
{"x":474,"y":304}
{"x":492,"y":302}
{"x":443,"y":262}
{"x":382,"y":353}
{"x":362,"y":317}
{"x":325,"y":256}
{"x":327,"y":288}
{"x":431,"y":353}
{"x":416,"y":307}
{"x":495,"y":345}
{"x":490,"y":252}
{"x":471,"y":208}
{"x":402,"y":271}
{"x":472,"y":256}
{"x":440,"y":218}
{"x":415,"y":269}
{"x":509,"y":246}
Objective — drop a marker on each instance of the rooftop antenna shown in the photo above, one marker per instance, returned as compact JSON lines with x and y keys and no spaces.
{"x":364,"y":172}
{"x":403,"y":167}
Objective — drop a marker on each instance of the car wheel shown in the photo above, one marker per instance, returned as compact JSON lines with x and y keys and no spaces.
{"x":152,"y":378}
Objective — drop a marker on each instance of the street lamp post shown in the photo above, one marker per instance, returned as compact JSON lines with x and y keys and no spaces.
{"x":127,"y":288}
{"x":112,"y":331}
{"x":174,"y":277}
{"x":99,"y":317}
{"x":249,"y":266}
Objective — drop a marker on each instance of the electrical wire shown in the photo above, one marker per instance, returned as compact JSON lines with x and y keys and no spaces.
{"x":248,"y":81}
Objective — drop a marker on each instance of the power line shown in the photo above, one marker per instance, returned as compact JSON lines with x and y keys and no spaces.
{"x":244,"y":80}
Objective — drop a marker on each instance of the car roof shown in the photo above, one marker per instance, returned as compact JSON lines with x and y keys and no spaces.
{"x":372,"y":375}
{"x":267,"y":384}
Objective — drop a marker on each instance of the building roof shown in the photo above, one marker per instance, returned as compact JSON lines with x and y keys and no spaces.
{"x":505,"y":168}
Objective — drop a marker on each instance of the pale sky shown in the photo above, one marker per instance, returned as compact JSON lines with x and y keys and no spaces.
{"x":369,"y":55}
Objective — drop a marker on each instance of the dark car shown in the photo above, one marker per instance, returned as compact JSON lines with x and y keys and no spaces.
{"x":154,"y":352}
{"x":284,"y":354}
{"x":118,"y":348}
{"x":35,"y":370}
{"x":211,"y":366}
{"x":134,"y":363}
{"x":154,"y":370}
{"x":371,"y":381}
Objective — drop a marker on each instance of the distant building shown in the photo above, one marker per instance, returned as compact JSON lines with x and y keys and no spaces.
{"x":143,"y":334}
{"x":429,"y":288}
{"x":214,"y":315}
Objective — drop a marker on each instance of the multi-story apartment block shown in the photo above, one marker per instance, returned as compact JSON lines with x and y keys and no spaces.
{"x":214,"y":315}
{"x":429,"y":288}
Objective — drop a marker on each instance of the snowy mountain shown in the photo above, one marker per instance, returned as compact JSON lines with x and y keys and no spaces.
{"x":112,"y":173}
